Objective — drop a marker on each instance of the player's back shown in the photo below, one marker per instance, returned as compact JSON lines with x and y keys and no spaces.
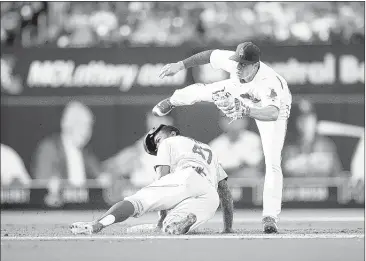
{"x":186,"y":152}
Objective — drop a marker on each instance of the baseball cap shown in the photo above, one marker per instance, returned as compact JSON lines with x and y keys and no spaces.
{"x":246,"y":53}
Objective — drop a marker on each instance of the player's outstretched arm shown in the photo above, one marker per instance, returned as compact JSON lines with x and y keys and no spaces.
{"x":192,"y":61}
{"x":227,"y":205}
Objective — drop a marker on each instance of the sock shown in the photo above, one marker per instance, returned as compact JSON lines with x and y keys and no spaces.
{"x":117,"y":213}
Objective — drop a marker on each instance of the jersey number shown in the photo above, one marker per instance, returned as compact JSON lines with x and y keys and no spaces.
{"x":199,"y":150}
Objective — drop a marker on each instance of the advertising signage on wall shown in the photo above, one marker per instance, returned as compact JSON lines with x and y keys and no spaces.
{"x":89,"y":71}
{"x":99,"y":71}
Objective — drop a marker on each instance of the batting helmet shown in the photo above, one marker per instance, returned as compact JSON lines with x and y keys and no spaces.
{"x":149,"y":143}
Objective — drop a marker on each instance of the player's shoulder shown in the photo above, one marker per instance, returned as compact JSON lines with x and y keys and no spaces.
{"x":220,"y":54}
{"x":176,"y":140}
{"x":266,"y":72}
{"x":223,"y":52}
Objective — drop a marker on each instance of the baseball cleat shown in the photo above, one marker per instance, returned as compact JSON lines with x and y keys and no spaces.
{"x":269,"y":225}
{"x":181,"y":227}
{"x":163,"y":108}
{"x":85,"y":228}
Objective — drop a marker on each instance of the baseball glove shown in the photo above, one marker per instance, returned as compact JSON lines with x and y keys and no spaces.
{"x":232,"y":107}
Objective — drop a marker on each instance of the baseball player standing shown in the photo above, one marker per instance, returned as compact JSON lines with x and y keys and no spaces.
{"x":254,"y":90}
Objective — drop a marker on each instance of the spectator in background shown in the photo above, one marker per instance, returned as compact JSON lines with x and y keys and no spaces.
{"x":133,"y":162}
{"x":310,"y":154}
{"x":239,"y":149}
{"x":64,"y":157}
{"x":13,"y":170}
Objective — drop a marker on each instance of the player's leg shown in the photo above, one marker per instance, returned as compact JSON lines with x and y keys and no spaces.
{"x":191,"y":213}
{"x":162,"y":194}
{"x":189,"y":95}
{"x":119,"y":212}
{"x":272,"y":136}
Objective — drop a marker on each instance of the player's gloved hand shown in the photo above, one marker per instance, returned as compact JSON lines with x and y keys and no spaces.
{"x":230,"y":106}
{"x":170,"y":69}
{"x":223,"y":100}
{"x":239,"y":110}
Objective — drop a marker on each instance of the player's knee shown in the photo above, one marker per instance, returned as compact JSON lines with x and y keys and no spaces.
{"x":276,"y":168}
{"x":186,"y":96}
{"x":137,"y":205}
{"x":274,"y":163}
{"x":179,"y":226}
{"x":173,"y":229}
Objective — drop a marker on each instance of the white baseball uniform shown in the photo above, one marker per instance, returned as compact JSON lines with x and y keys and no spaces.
{"x":267,"y":88}
{"x":184,"y":190}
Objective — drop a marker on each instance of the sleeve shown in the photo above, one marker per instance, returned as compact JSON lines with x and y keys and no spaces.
{"x":164,"y":154}
{"x":219,"y":59}
{"x":270,"y":93}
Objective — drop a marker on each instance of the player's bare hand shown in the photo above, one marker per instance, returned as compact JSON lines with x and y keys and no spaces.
{"x":171,"y":69}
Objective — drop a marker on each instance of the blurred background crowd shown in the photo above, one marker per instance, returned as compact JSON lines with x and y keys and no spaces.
{"x":87,"y":24}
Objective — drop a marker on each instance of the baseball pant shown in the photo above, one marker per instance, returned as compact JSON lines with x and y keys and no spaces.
{"x":197,"y":92}
{"x":181,"y":193}
{"x":272,"y":135}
